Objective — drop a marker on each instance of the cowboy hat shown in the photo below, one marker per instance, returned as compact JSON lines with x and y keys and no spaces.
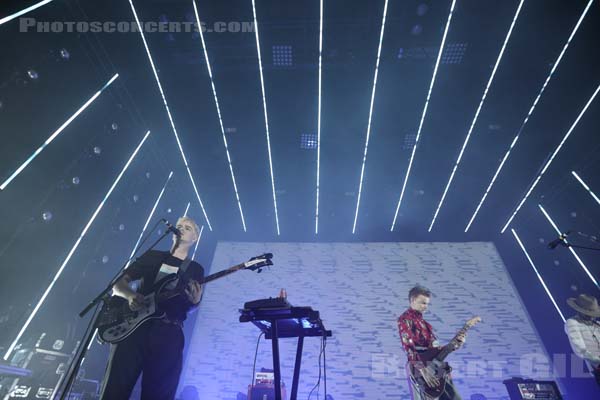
{"x":585,"y":304}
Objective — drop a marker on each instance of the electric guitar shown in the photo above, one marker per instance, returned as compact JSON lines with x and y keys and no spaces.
{"x":434,"y":362}
{"x":117,"y":321}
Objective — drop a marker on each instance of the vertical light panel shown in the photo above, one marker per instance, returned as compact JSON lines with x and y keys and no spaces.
{"x":212,"y":82}
{"x":187,"y":208}
{"x":262,"y":87}
{"x":149,"y":218}
{"x":586,"y":187}
{"x":551,"y":158}
{"x":162,"y":94}
{"x":24,"y":11}
{"x":319,"y":115}
{"x":585,"y":268}
{"x":72,"y":251}
{"x":197,"y":242}
{"x":538,"y":275}
{"x":424,"y":113}
{"x":364,"y":160}
{"x":531,"y":109}
{"x":485,"y":92}
{"x":56,"y":133}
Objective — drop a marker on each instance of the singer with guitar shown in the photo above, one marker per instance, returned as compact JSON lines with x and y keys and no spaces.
{"x":155,"y":347}
{"x":428,"y":374}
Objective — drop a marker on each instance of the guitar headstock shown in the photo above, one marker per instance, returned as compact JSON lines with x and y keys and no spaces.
{"x":472,"y":322}
{"x":258,"y":262}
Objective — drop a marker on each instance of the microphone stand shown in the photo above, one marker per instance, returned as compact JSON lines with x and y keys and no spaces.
{"x":69,"y":377}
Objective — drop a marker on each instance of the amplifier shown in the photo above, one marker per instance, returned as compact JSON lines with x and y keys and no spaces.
{"x":529,"y":389}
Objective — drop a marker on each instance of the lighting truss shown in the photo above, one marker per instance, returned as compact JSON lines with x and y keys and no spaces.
{"x":162,"y":94}
{"x":319,"y":114}
{"x":418,"y":138}
{"x":364,"y":160}
{"x":212,"y":82}
{"x":483,"y":97}
{"x":262,"y":87}
{"x":197,"y":242}
{"x":24,"y":11}
{"x":72,"y":251}
{"x":531,"y":109}
{"x":149,"y":218}
{"x":538,"y":275}
{"x":56,"y":133}
{"x":186,"y":210}
{"x":586,"y":187}
{"x":587,"y":271}
{"x":551,"y":158}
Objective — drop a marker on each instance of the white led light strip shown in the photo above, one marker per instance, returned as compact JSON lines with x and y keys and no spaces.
{"x":586,"y":187}
{"x":24,"y":11}
{"x":198,"y":242}
{"x":186,"y":210}
{"x":587,"y":271}
{"x":81,"y":236}
{"x":162,"y":94}
{"x":418,"y":138}
{"x":364,"y":160}
{"x":149,"y":218}
{"x":483,"y":97}
{"x":319,"y":114}
{"x":237,"y":196}
{"x":262,"y":86}
{"x":551,"y":159}
{"x":538,"y":275}
{"x":537,"y":99}
{"x":56,"y":133}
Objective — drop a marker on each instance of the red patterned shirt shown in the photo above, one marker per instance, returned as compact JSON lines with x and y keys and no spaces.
{"x":415,"y":332}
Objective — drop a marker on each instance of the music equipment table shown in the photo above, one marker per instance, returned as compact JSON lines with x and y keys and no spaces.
{"x":276,"y":318}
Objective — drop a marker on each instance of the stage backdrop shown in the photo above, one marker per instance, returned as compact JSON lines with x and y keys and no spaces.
{"x":360,"y":290}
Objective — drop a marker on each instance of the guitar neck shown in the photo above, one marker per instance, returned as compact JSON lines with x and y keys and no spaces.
{"x":221,"y":274}
{"x":449,"y":348}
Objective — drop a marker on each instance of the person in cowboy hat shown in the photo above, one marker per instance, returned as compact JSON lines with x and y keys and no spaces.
{"x":583,"y":330}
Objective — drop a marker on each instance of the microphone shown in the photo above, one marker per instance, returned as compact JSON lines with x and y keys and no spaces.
{"x":560,"y":241}
{"x":171,"y":228}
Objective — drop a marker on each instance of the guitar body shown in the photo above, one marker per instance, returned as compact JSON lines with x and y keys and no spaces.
{"x":439,"y":369}
{"x":117,"y":320}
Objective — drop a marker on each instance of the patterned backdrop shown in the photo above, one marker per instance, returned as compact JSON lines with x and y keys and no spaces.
{"x":360,"y":289}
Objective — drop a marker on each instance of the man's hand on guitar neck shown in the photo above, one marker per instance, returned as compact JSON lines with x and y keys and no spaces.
{"x":193,"y":291}
{"x":460,"y":340}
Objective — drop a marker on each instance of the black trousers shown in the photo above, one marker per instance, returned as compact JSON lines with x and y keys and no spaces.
{"x":155,"y":349}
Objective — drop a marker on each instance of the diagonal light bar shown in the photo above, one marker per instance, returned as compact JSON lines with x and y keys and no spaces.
{"x":56,"y":133}
{"x":197,"y":242}
{"x":551,"y":159}
{"x":212,"y":82}
{"x":319,"y":114}
{"x":538,"y":275}
{"x":162,"y":94}
{"x":149,"y":218}
{"x":24,"y":11}
{"x":262,"y":86}
{"x":587,"y":271}
{"x":186,"y":210}
{"x":81,"y":236}
{"x":364,"y":160}
{"x":532,"y":108}
{"x":485,"y":92}
{"x":586,"y":187}
{"x":412,"y":156}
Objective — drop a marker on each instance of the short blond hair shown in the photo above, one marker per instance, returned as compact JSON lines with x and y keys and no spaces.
{"x":194,"y":225}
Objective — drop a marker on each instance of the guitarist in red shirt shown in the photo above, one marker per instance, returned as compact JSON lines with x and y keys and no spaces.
{"x":417,"y":337}
{"x":156,"y":347}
